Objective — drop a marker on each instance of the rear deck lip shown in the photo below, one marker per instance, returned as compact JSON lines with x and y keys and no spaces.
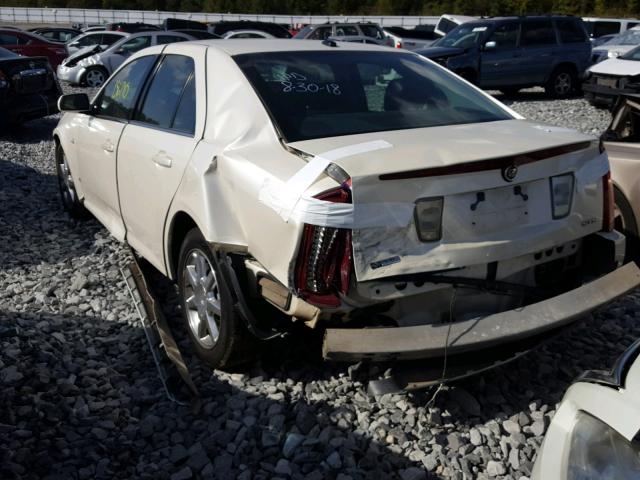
{"x":490,"y":163}
{"x":428,"y":341}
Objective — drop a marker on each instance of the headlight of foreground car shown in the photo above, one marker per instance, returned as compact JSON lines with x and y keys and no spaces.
{"x":612,"y":54}
{"x":561,"y":195}
{"x":600,"y":453}
{"x":428,"y":216}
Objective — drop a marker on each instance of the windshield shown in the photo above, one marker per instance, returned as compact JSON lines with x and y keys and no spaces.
{"x":633,"y":54}
{"x":325,"y":94}
{"x":464,"y":36}
{"x":630,"y":37}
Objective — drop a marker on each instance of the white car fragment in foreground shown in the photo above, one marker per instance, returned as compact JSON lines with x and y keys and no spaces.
{"x":344,"y":186}
{"x":594,"y":433}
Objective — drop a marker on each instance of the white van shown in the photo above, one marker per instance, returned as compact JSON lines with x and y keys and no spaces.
{"x":446,"y":23}
{"x":597,"y":27}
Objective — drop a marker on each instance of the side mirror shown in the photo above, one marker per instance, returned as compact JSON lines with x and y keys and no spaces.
{"x":74,"y":102}
{"x":490,"y":45}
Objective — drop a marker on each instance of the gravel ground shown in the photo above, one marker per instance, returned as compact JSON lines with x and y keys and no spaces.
{"x":80,"y":398}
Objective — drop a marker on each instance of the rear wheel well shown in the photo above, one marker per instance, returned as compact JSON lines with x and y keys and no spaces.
{"x":565,"y":65}
{"x":181,"y":224}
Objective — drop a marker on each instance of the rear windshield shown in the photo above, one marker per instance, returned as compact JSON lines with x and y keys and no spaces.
{"x":324,"y":94}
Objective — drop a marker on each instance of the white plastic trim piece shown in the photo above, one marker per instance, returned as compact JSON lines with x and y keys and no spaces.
{"x":283,"y":197}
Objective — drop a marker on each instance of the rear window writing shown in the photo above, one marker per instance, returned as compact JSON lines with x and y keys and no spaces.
{"x":324,"y":94}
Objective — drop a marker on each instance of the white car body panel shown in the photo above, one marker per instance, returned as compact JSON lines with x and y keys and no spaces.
{"x":617,"y":66}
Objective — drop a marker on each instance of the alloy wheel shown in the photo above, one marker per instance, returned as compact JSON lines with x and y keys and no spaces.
{"x":201,"y":295}
{"x":95,"y":78}
{"x":65,"y":180}
{"x":563,"y":83}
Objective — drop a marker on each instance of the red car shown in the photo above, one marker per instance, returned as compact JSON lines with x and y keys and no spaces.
{"x":30,"y":45}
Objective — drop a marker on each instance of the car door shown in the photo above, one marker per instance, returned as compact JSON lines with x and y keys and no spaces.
{"x":116,"y":57}
{"x":537,"y":45}
{"x":14,"y":42}
{"x":97,"y":144}
{"x":500,"y":60}
{"x":157,"y":145}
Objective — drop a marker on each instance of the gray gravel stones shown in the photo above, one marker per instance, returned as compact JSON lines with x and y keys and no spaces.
{"x":81,"y":400}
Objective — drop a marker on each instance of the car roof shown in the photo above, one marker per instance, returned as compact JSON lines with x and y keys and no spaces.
{"x":241,"y":46}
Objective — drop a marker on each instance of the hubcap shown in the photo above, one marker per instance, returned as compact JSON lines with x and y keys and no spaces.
{"x":202,"y":298}
{"x":67,"y":188}
{"x":563,"y":83}
{"x":95,"y":78}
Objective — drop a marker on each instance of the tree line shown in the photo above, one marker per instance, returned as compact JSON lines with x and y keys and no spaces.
{"x":625,"y":8}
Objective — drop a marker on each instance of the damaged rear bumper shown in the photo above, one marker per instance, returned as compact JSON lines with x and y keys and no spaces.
{"x":429,"y":341}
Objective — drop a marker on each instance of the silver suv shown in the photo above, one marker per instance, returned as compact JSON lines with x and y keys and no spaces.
{"x":331,"y":30}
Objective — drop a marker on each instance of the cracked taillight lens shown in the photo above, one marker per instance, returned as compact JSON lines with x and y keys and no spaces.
{"x":323,"y":267}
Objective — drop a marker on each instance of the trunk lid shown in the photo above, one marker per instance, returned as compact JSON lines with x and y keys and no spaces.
{"x":485,"y":217}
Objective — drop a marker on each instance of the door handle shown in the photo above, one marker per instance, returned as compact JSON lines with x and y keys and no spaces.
{"x":108,"y":146}
{"x":161,"y":158}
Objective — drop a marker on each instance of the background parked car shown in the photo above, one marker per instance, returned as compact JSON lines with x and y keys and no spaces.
{"x":89,"y":39}
{"x":220,"y":28}
{"x":197,"y":34}
{"x":447,"y":22}
{"x":94,"y":28}
{"x":511,"y":53}
{"x":622,"y":141}
{"x":28,"y":88}
{"x":360,"y":39}
{"x":131,"y":27}
{"x":246,"y":34}
{"x":61,"y":35}
{"x":594,"y":431}
{"x":606,"y":80}
{"x":596,"y":42}
{"x":326,"y":30}
{"x":597,"y":27}
{"x":31,"y":45}
{"x":181,"y":24}
{"x":92,"y":65}
{"x":618,"y":45}
{"x":410,"y":39}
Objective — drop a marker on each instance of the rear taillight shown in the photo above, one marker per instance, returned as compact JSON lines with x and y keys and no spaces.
{"x":609,"y":203}
{"x":323,"y":268}
{"x":398,"y":44}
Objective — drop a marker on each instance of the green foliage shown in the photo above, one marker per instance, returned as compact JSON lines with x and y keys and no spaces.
{"x":630,"y":8}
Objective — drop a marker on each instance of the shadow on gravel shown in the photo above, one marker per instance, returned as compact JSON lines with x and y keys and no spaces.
{"x":34,"y":131}
{"x":81,"y":399}
{"x":33,"y":226}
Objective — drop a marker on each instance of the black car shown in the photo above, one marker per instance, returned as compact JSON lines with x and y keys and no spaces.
{"x":510,"y":53}
{"x":61,"y":35}
{"x":28,"y":88}
{"x":131,"y":27}
{"x":220,"y":28}
{"x":199,"y":34}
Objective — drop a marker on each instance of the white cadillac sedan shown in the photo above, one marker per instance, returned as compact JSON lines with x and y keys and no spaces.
{"x":346,"y":186}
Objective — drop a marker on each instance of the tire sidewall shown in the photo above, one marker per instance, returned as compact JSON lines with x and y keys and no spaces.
{"x":74,"y":208}
{"x":216,"y":356}
{"x":550,"y":87}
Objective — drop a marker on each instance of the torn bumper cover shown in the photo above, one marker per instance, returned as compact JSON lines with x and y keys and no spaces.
{"x":429,"y":341}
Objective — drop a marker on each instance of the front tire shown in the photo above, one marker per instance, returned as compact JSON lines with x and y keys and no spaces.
{"x":95,"y":77}
{"x":562,"y":83}
{"x":68,"y":194}
{"x":215,"y":329}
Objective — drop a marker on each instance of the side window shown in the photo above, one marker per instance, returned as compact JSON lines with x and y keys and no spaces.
{"x":165,"y":93}
{"x":536,"y":33}
{"x":371,"y":31}
{"x":119,"y":96}
{"x":346,"y":31}
{"x":185,"y":119}
{"x":320,"y":33}
{"x":570,"y":31}
{"x":605,"y":28}
{"x":108,"y":39}
{"x":135,"y":44}
{"x":8,"y":39}
{"x":505,"y":36}
{"x":163,"y":39}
